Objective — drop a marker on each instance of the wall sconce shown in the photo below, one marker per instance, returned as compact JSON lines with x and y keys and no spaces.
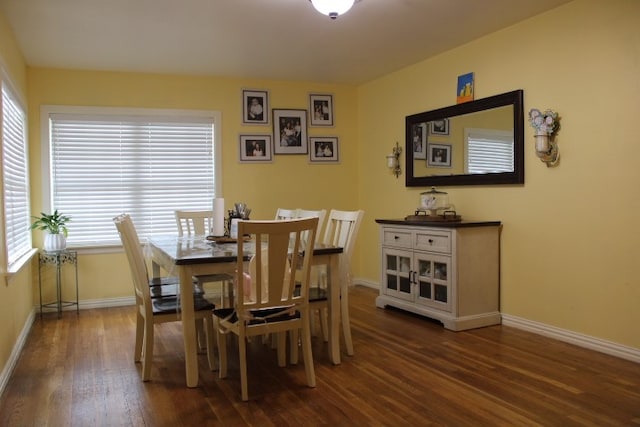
{"x":546,"y":125}
{"x":393,"y":160}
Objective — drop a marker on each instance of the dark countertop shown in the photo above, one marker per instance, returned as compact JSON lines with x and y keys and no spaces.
{"x":440,"y":224}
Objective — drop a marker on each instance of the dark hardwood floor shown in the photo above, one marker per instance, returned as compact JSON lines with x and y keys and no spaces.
{"x":407,"y":370}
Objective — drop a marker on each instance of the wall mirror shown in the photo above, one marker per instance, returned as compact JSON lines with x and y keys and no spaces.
{"x":475,"y":143}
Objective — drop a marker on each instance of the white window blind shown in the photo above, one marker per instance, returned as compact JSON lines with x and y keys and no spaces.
{"x":489,"y":151}
{"x":15,"y":176}
{"x":105,"y":165}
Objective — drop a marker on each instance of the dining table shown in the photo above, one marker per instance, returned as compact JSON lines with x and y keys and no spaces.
{"x":188,"y":256}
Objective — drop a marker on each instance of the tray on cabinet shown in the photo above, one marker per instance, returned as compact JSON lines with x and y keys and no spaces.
{"x":446,"y":216}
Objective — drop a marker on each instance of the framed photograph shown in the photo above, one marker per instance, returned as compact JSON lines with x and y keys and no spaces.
{"x":290,"y":131}
{"x":255,"y":148}
{"x":439,"y":155}
{"x":321,"y":108}
{"x":323,"y":149}
{"x":255,"y":107}
{"x":419,"y":134}
{"x":440,"y":127}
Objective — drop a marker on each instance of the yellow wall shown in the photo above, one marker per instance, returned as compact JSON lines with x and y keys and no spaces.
{"x":16,"y":298}
{"x":290,"y":181}
{"x":571,"y":233}
{"x":11,"y":59}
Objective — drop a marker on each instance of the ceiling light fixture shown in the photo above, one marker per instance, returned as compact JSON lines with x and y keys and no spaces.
{"x":332,"y":8}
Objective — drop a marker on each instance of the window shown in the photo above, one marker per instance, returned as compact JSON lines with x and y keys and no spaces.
{"x":15,"y":181}
{"x":147,"y":163}
{"x":489,"y":151}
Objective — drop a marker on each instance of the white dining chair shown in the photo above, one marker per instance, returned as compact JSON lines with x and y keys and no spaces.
{"x":194,"y":222}
{"x":198,"y":223}
{"x":341,"y":230}
{"x":272,"y":304}
{"x":157,"y":309}
{"x":284,"y":214}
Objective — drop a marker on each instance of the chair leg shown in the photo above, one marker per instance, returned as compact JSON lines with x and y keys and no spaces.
{"x":307,"y":356}
{"x":312,"y":321}
{"x":324,"y":323}
{"x":281,"y":337}
{"x":230,"y":293}
{"x":222,"y":349}
{"x":137,"y":351}
{"x":242,"y":350}
{"x":210,"y":338}
{"x":346,"y":323}
{"x":295,"y":340}
{"x":147,"y":351}
{"x":201,"y":334}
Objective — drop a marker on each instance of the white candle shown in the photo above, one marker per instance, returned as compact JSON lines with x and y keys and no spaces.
{"x":218,"y":216}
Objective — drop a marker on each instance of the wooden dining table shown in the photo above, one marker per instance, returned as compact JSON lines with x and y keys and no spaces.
{"x":188,"y":256}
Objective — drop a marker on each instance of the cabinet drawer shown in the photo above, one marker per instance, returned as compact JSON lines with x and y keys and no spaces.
{"x":397,"y":238}
{"x":434,"y":241}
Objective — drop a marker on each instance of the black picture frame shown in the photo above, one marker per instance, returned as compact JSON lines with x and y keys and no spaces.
{"x":439,"y":155}
{"x":255,"y":148}
{"x":440,"y":127}
{"x":255,"y":107}
{"x":420,"y":132}
{"x":290,"y":131}
{"x":324,"y":149}
{"x":321,"y":109}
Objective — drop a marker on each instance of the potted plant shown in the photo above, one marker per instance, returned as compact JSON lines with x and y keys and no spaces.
{"x":56,"y":230}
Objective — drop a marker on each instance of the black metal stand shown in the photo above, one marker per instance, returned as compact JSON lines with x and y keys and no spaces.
{"x":58,"y":258}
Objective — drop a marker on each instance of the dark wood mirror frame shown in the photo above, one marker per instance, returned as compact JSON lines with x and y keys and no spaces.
{"x":514,"y":99}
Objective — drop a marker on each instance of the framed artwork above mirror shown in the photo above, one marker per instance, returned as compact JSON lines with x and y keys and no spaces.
{"x":484,"y":140}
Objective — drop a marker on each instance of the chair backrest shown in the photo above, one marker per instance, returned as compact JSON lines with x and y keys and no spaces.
{"x":341,"y":230}
{"x":194,"y":222}
{"x":284,"y":214}
{"x":320,"y":214}
{"x":137,"y":263}
{"x":278,"y":245}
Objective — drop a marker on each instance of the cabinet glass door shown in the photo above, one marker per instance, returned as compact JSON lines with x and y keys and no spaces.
{"x":434,"y":282}
{"x":397,"y":268}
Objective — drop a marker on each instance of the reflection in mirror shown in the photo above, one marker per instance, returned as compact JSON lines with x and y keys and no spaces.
{"x":478,"y":142}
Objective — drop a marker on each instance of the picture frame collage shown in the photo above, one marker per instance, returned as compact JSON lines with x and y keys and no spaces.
{"x":429,"y":143}
{"x":289,"y":129}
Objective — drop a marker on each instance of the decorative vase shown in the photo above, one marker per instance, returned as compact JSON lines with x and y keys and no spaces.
{"x":542,"y":143}
{"x":54,"y":242}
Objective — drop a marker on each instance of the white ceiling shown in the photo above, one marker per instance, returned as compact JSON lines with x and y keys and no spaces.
{"x":270,"y":39}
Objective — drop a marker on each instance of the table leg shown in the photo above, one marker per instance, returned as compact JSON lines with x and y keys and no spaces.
{"x":334,"y":309}
{"x":188,"y":327}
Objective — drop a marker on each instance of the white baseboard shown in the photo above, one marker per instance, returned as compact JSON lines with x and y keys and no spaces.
{"x":109,"y":302}
{"x":15,"y":353}
{"x":96,"y":303}
{"x":581,"y":340}
{"x":365,"y":282}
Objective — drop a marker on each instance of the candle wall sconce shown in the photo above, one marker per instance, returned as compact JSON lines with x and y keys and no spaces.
{"x":546,"y":125}
{"x":393,"y":160}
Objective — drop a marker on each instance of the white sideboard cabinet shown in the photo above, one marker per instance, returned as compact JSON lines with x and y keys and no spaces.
{"x":448,"y":271}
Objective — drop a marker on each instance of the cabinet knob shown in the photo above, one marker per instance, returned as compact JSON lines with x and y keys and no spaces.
{"x":431,"y":241}
{"x":396,"y":237}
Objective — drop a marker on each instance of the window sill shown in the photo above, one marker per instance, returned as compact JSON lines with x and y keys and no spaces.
{"x":17,"y":266}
